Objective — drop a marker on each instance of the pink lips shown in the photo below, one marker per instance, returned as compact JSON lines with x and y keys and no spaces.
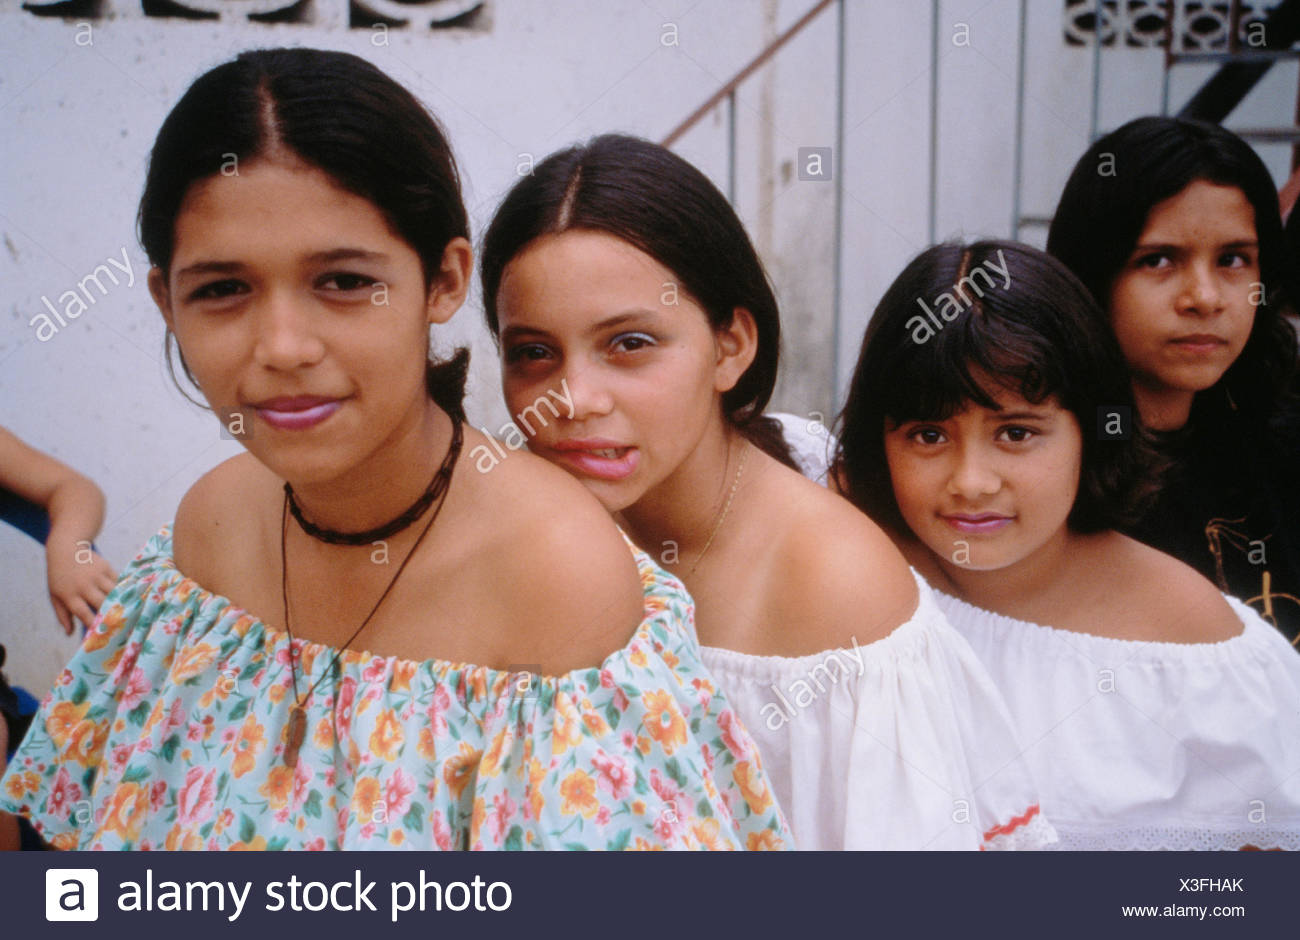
{"x":978,"y":524}
{"x":296,"y":413}
{"x":598,"y":457}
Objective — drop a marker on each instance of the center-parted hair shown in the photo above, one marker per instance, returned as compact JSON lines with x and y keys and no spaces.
{"x":1104,"y":208}
{"x":336,"y":112}
{"x":1040,"y":335}
{"x":659,"y":203}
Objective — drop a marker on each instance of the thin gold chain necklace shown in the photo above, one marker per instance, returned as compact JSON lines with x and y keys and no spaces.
{"x":722,"y":517}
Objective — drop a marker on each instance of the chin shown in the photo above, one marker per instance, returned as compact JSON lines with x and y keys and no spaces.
{"x":982,"y":558}
{"x":300,"y":472}
{"x":613,"y":498}
{"x":987,"y":566}
{"x":1196,"y":380}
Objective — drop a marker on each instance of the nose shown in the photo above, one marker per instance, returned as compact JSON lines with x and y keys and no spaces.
{"x":973,"y":474}
{"x":1202,"y":292}
{"x":589,"y":394}
{"x":285,"y":336}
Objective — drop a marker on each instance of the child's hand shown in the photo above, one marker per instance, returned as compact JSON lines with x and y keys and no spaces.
{"x":79,"y":579}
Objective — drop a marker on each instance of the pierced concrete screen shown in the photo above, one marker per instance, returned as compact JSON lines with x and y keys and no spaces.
{"x":346,"y":14}
{"x":1198,"y":25}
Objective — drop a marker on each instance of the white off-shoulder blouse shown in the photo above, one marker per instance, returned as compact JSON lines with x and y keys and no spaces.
{"x":903,"y":743}
{"x":1147,"y":745}
{"x":811,"y":445}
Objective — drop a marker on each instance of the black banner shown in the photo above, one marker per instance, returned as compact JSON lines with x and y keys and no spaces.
{"x":190,"y":896}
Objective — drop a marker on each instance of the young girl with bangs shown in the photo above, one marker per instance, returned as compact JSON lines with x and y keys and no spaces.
{"x":617,"y":272}
{"x":1173,"y":226}
{"x":998,"y":443}
{"x":350,"y":639}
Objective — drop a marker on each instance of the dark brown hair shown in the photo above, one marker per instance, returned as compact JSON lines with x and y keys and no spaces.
{"x":656,"y":201}
{"x":1104,"y":208}
{"x":1039,"y":335}
{"x":336,"y":112}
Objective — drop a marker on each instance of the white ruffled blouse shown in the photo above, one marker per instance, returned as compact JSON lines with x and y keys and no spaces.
{"x":1148,"y":745}
{"x":904,"y":743}
{"x":811,"y":445}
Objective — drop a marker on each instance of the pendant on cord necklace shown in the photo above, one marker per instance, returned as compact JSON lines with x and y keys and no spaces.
{"x":297,"y":730}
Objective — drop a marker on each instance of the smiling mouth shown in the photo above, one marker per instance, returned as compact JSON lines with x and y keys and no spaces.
{"x":985,"y":522}
{"x":298,"y":413}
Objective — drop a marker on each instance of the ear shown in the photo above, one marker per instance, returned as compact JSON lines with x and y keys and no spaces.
{"x":450,"y":285}
{"x":161,"y":295}
{"x":736,"y":346}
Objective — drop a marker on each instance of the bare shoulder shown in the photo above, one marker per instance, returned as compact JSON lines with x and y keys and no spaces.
{"x":213,"y":517}
{"x":560,"y":566}
{"x":844,"y":581}
{"x":1157,"y":597}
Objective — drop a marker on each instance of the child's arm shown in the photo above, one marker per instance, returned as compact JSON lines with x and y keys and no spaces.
{"x":78,"y":577}
{"x":9,"y":838}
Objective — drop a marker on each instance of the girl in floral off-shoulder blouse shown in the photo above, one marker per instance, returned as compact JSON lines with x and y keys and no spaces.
{"x":260,"y":682}
{"x":167,"y":731}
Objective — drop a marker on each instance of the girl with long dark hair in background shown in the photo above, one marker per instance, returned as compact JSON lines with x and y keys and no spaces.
{"x":1173,"y":226}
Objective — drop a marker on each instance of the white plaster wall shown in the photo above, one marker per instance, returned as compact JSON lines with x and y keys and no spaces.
{"x":76,"y":123}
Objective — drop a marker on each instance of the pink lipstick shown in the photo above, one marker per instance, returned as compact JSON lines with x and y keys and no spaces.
{"x":296,"y":413}
{"x":978,"y":524}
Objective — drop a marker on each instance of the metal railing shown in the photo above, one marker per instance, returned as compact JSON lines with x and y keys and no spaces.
{"x":1254,"y":61}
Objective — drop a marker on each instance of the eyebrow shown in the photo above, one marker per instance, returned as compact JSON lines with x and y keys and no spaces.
{"x":210,"y":267}
{"x":347,"y":254}
{"x":618,"y":319}
{"x":1164,"y":246}
{"x":320,"y":257}
{"x":1020,"y":416}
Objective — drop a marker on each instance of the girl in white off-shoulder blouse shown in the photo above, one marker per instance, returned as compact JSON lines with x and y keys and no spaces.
{"x":999,"y":448}
{"x":1153,"y":745}
{"x":618,"y":278}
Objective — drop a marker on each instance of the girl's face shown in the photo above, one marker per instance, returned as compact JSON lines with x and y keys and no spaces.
{"x":303,"y":317}
{"x":603,"y":331}
{"x":1184,"y":303}
{"x":986,"y":489}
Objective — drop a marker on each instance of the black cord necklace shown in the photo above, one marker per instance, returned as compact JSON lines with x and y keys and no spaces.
{"x":417,"y":509}
{"x":297,"y":713}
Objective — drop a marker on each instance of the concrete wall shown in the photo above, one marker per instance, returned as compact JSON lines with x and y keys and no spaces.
{"x":78,"y":111}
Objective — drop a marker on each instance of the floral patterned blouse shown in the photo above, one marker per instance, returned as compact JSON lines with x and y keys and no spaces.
{"x":168,"y":728}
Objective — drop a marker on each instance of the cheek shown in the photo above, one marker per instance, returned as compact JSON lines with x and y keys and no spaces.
{"x":1129,"y":320}
{"x":910,"y":481}
{"x":516,"y":391}
{"x":209,"y":354}
{"x":384,"y":358}
{"x":672,"y":401}
{"x":1054,"y":483}
{"x":668,"y":418}
{"x":1245,"y":321}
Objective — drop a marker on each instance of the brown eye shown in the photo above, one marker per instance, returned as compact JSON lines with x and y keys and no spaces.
{"x":348,"y":282}
{"x":1017,"y":435}
{"x":526,"y":352}
{"x":217,"y":290}
{"x":631,"y":342}
{"x":927,"y":435}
